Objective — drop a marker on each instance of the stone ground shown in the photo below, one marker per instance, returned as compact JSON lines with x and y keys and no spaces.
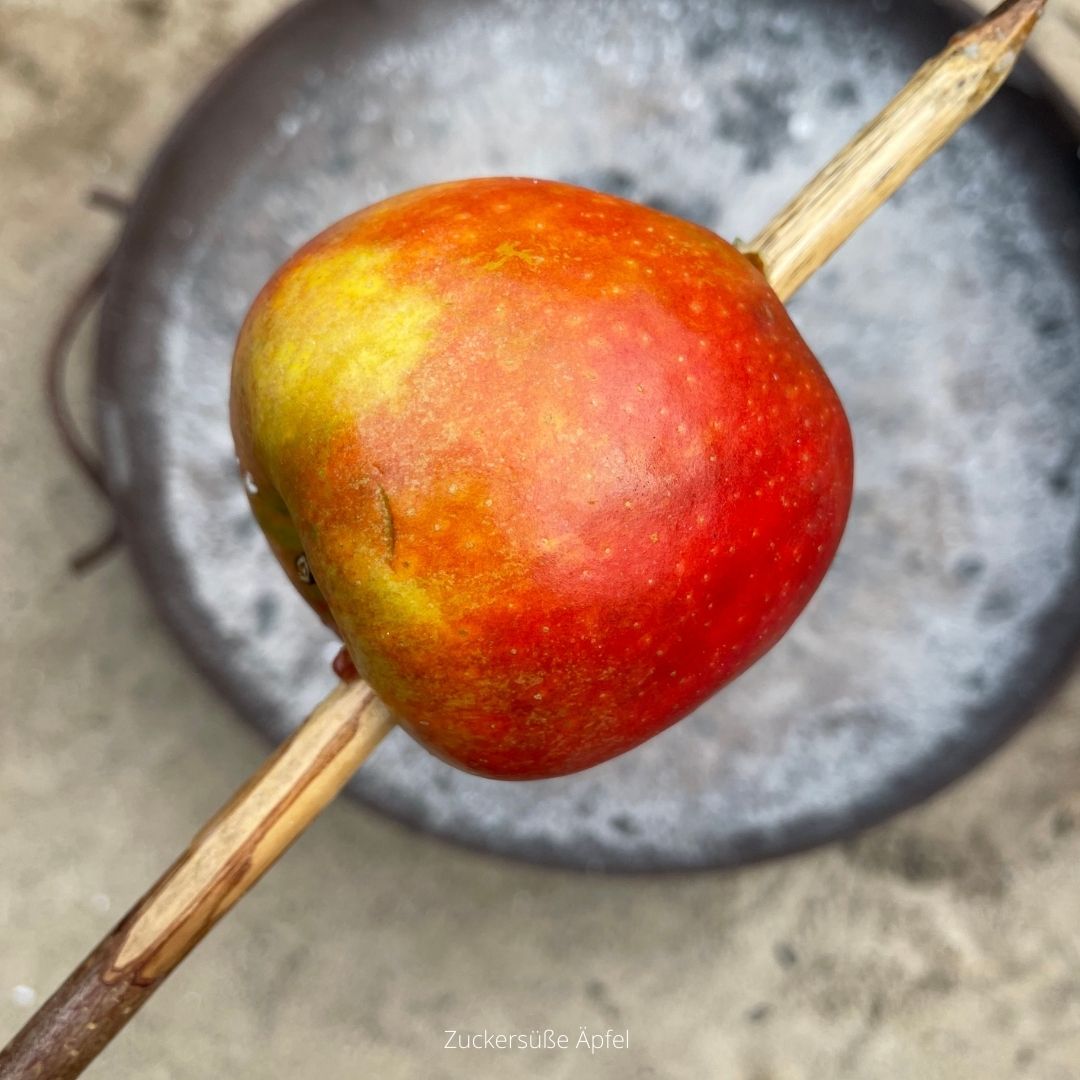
{"x":944,"y":944}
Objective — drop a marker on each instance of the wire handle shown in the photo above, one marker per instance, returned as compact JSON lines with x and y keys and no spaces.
{"x":57,"y":358}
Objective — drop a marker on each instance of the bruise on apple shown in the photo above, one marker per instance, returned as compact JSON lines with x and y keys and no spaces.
{"x":561,"y":465}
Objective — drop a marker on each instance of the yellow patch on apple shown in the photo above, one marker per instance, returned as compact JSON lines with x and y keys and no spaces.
{"x":341,"y":358}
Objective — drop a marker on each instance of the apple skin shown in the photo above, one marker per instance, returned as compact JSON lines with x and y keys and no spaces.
{"x":560,"y":465}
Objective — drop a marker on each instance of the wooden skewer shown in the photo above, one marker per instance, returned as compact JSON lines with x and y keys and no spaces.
{"x":262,"y":819}
{"x":944,"y":93}
{"x":225,"y":859}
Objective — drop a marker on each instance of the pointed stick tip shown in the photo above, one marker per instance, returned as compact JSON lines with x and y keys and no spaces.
{"x":1011,"y":21}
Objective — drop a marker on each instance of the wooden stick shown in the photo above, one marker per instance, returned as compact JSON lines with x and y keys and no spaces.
{"x":232,"y":852}
{"x":945,"y":92}
{"x":224,"y":860}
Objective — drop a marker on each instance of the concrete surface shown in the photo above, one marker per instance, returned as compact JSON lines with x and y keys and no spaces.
{"x":944,"y":944}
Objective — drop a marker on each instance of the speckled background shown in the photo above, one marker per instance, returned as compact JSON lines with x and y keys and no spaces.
{"x":944,"y":944}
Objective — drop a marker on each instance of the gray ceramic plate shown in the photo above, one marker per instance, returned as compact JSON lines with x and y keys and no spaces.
{"x":949,"y":325}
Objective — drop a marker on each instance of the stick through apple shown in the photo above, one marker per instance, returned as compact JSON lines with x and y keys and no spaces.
{"x":487,"y":399}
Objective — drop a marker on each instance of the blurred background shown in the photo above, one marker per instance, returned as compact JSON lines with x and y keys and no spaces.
{"x":943,"y":943}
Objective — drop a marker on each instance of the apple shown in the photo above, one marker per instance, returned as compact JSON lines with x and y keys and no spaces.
{"x":555,"y":466}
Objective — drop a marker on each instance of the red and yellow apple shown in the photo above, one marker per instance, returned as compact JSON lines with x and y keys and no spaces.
{"x":556,"y":466}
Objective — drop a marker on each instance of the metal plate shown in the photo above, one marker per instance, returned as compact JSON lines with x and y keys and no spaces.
{"x":949,"y":325}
